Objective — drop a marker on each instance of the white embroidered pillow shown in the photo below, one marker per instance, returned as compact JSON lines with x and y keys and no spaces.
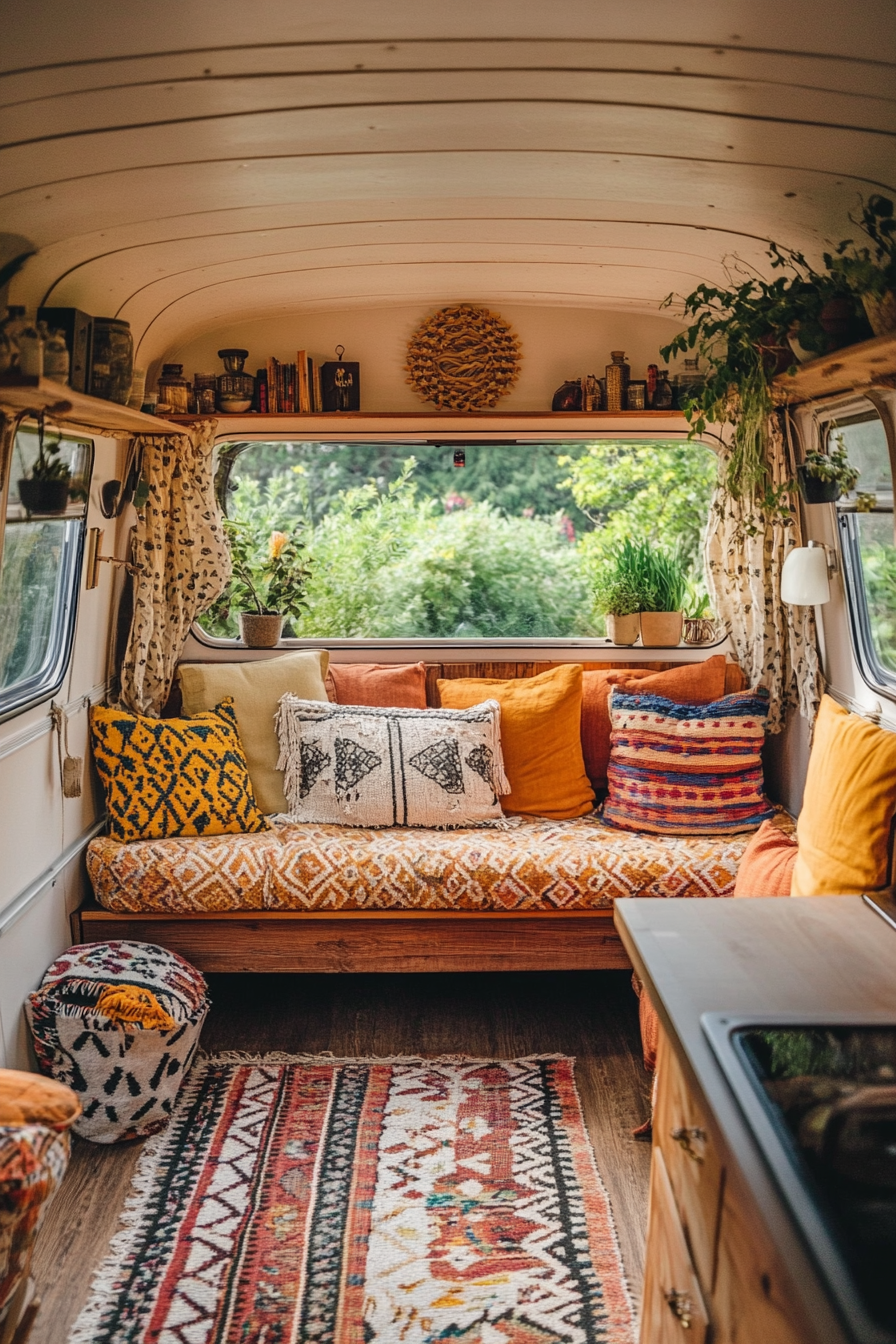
{"x":355,"y":765}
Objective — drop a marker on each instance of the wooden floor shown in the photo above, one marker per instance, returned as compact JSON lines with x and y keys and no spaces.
{"x":589,"y":1014}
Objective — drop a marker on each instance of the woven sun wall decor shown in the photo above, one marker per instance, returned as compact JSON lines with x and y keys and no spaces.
{"x":463,"y":358}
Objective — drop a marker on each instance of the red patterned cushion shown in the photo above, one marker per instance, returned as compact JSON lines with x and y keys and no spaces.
{"x":687,"y":769}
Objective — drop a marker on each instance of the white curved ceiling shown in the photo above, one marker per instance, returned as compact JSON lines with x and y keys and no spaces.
{"x":180,"y":165}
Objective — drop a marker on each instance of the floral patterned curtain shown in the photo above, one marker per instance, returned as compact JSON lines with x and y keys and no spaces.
{"x":180,"y":546}
{"x":745,"y":551}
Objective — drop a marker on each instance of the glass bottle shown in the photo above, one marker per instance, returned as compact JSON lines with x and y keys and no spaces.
{"x":618,"y":374}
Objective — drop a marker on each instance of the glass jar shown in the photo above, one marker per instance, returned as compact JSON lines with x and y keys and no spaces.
{"x":636,"y":395}
{"x":56,"y":357}
{"x":112,"y":360}
{"x":236,"y":389}
{"x":13,"y":324}
{"x":174,"y":391}
{"x":205,"y":390}
{"x":618,"y":374}
{"x":662,"y":397}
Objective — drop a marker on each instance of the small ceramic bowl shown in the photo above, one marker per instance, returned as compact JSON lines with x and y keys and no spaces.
{"x":235,"y":405}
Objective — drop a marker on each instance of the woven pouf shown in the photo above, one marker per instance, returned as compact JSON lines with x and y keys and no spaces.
{"x":119,"y":1023}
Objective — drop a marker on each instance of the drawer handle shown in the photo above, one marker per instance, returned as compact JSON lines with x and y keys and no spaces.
{"x":687,"y":1136}
{"x":681,"y":1307}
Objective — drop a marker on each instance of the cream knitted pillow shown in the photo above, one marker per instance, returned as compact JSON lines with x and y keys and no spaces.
{"x":355,"y":765}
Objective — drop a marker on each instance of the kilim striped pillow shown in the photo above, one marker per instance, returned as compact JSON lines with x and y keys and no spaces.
{"x":687,"y":769}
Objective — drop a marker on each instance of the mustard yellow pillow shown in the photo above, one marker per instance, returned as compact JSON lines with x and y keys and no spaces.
{"x":540,"y":737}
{"x":256,"y":688}
{"x":844,"y":826}
{"x":165,"y":777}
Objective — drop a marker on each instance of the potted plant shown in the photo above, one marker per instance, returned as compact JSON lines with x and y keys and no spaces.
{"x":45,"y":487}
{"x":699,"y":621}
{"x":870,"y":272}
{"x":824,"y":477}
{"x":268,"y":582}
{"x":619,"y":592}
{"x":742,"y":335}
{"x":665,"y":589}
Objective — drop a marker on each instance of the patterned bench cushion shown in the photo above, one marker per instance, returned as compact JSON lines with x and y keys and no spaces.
{"x":541,"y":865}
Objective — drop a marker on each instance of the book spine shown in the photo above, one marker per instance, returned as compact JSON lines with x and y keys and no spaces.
{"x":317,"y":402}
{"x":261,"y":391}
{"x":302,"y":371}
{"x":273,"y":406}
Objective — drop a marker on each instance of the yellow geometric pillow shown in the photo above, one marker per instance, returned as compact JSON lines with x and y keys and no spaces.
{"x":165,"y":777}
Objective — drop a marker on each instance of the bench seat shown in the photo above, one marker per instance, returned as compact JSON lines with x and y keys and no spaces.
{"x":539,"y":866}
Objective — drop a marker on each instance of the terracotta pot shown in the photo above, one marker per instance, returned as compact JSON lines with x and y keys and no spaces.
{"x":838,"y":320}
{"x":624,"y":629}
{"x":260,"y":632}
{"x":881,"y":313}
{"x":775,"y":358}
{"x":661,"y":629}
{"x":38,"y":496}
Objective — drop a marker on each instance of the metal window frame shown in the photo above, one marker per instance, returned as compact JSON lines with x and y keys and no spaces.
{"x":22,"y":695}
{"x":872,"y":671}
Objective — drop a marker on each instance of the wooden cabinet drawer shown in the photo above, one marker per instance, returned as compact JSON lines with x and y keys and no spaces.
{"x":692,"y":1161}
{"x":752,"y":1300}
{"x":673,"y":1311}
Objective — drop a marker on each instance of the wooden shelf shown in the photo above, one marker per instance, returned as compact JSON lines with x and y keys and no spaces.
{"x":869,"y":364}
{"x":75,"y":408}
{"x":455,"y":417}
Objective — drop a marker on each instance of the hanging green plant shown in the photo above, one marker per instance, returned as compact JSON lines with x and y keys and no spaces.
{"x":745,"y":334}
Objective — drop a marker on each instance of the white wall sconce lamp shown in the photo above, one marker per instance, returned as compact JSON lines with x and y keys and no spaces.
{"x":806,"y":576}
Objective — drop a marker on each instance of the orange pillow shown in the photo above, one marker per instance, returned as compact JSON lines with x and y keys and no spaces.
{"x":766,"y":868}
{"x":379,"y":685}
{"x":540,"y":718}
{"x":691,"y":683}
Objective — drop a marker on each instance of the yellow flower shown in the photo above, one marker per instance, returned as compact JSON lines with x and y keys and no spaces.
{"x":276,"y":543}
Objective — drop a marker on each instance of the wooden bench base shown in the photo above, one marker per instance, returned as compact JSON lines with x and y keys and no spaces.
{"x":352,"y":941}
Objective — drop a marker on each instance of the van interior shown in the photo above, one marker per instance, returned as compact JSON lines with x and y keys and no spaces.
{"x":446,"y":562}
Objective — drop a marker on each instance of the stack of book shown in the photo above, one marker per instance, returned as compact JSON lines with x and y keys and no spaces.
{"x":289,"y":387}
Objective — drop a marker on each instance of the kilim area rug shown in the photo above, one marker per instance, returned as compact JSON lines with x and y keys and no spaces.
{"x":298,"y":1199}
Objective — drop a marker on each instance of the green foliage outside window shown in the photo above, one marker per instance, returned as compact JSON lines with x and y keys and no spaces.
{"x":508,"y":547}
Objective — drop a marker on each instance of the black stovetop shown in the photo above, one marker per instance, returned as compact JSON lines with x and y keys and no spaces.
{"x":820,"y":1098}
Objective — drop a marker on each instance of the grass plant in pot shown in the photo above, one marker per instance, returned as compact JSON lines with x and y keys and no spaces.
{"x":619,"y":592}
{"x":44,"y":488}
{"x":824,"y":477}
{"x":664,"y":592}
{"x":267,"y":587}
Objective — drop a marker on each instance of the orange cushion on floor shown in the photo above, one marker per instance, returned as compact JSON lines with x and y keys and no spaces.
{"x":30,"y":1099}
{"x":692,"y":683}
{"x":540,"y":738}
{"x":766,"y":868}
{"x":379,"y":685}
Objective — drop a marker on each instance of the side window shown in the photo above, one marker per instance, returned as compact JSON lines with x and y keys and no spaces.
{"x":40,"y":566}
{"x":866,"y":533}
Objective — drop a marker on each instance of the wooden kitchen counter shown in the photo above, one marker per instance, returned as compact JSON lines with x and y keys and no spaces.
{"x":753,"y":1278}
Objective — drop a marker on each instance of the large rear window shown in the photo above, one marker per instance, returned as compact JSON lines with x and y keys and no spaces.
{"x":458,"y":541}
